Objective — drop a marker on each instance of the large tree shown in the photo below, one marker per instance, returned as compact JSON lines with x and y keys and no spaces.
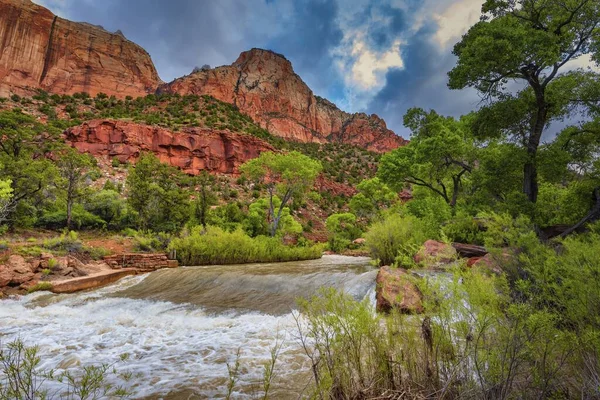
{"x":439,"y":155}
{"x":518,"y":58}
{"x":286,"y":175}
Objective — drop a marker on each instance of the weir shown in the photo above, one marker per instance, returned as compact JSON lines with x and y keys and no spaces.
{"x":180,"y":327}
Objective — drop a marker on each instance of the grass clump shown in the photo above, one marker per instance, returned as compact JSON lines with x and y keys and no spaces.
{"x":216,"y":246}
{"x":65,"y":243}
{"x":40,"y":286}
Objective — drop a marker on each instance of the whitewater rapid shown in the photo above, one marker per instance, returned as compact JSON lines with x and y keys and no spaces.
{"x":180,"y":328}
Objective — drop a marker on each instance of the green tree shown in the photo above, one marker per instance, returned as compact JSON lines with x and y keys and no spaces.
{"x":256,"y":223}
{"x":529,"y":42}
{"x":24,"y":145}
{"x":108,"y":205}
{"x":73,"y":168}
{"x":205,"y":198}
{"x":286,"y":176}
{"x":6,"y":194}
{"x":373,"y":195}
{"x":342,"y":230}
{"x":154,"y":193}
{"x":440,"y":153}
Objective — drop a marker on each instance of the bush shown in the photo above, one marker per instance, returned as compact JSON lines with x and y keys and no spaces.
{"x":152,"y":242}
{"x":67,"y":242}
{"x":80,"y":219}
{"x":342,"y":230}
{"x":396,"y":239}
{"x":216,"y":246}
{"x":24,"y":375}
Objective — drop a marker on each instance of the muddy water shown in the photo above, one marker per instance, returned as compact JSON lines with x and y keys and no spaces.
{"x":181,"y":327}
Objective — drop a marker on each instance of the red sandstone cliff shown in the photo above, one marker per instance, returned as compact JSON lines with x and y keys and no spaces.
{"x":192,"y":149}
{"x":41,"y":50}
{"x":264,"y":86}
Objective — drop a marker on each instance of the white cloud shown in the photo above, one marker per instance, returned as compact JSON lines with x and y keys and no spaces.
{"x":455,"y":21}
{"x":584,"y":62}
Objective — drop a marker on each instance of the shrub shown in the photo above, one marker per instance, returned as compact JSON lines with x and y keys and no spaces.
{"x":81,"y":219}
{"x":52,"y":263}
{"x":24,"y":375}
{"x":341,"y":230}
{"x":396,"y":239}
{"x":216,"y":246}
{"x":67,"y":243}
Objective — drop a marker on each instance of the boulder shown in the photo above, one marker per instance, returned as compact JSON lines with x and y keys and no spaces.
{"x":19,"y":269}
{"x":18,"y":265}
{"x":434,"y":253}
{"x":5,"y":276}
{"x":395,"y":290}
{"x":359,"y":241}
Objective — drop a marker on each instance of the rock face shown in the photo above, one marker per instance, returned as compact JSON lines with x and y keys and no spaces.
{"x":396,"y":291}
{"x":41,"y":50}
{"x":264,"y":86}
{"x":192,"y":149}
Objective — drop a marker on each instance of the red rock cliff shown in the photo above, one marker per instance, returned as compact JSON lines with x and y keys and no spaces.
{"x":192,"y":149}
{"x":41,"y":50}
{"x":264,"y":86}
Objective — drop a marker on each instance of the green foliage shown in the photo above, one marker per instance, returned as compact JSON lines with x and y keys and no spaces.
{"x":155,"y":195}
{"x":529,"y":42}
{"x":439,"y":156}
{"x":152,"y":242}
{"x":373,"y":195}
{"x":23,"y":146}
{"x":80,"y":219}
{"x":396,"y":239}
{"x":286,"y":176}
{"x":6,"y":196}
{"x":342,"y":230}
{"x":23,"y":376}
{"x":109,"y":206}
{"x":216,"y":246}
{"x":256,"y":222}
{"x":40,"y":286}
{"x":68,"y":242}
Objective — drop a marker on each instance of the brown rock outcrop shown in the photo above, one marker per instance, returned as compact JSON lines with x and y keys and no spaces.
{"x":191,"y":149}
{"x":395,"y":290}
{"x":434,"y":253}
{"x":263,"y":85}
{"x":41,"y":50}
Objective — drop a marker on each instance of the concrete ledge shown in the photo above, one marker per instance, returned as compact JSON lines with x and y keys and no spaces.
{"x":92,"y":281}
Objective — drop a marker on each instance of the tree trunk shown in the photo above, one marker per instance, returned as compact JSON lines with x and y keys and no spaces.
{"x":530,"y":182}
{"x":530,"y":176}
{"x":69,"y":211}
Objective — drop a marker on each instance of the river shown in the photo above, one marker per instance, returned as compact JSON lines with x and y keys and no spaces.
{"x":180,"y":327}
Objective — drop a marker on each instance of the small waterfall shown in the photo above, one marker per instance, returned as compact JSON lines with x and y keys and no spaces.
{"x":180,"y":327}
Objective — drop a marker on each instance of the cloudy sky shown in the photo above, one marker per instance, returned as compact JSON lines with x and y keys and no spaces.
{"x":375,"y":56}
